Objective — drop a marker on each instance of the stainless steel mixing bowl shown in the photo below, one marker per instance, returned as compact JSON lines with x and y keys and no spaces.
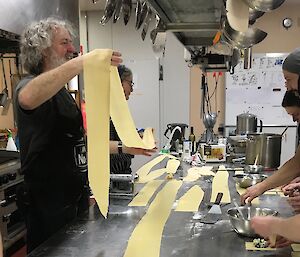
{"x":247,"y":180}
{"x":253,"y":168}
{"x":242,"y":226}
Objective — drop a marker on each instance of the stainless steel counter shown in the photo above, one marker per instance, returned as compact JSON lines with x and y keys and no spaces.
{"x":93,"y":236}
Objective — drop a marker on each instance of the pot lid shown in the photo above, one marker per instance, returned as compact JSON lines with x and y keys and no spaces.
{"x":246,"y":115}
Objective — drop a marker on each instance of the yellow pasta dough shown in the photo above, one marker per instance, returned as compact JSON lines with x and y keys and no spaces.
{"x":250,"y":247}
{"x":220,"y":184}
{"x":296,"y":247}
{"x":104,"y":98}
{"x":196,"y":172}
{"x":191,"y":200}
{"x":143,"y":197}
{"x":145,"y":240}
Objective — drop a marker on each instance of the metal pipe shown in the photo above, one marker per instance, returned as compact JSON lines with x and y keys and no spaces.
{"x":248,"y":58}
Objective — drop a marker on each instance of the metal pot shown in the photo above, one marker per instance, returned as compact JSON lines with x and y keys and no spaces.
{"x":247,"y":123}
{"x":267,"y":147}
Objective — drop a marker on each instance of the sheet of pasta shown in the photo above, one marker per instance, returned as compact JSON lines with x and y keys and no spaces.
{"x":104,"y":98}
{"x":220,"y":184}
{"x":143,"y":197}
{"x":250,"y":247}
{"x":191,"y":200}
{"x":145,"y":240}
{"x":97,"y":97}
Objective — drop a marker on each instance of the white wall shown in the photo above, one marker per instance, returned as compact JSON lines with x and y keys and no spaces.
{"x":152,"y":103}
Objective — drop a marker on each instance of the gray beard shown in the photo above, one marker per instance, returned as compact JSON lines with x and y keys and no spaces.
{"x":56,"y":61}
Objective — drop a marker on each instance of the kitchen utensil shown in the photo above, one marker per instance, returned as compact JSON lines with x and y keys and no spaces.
{"x":146,"y":23}
{"x":209,"y":120}
{"x":138,"y":10}
{"x":264,"y":5}
{"x":239,"y":210}
{"x":242,"y":40}
{"x":4,"y":93}
{"x":126,"y":9}
{"x":142,"y":16}
{"x":247,"y":180}
{"x":242,"y":225}
{"x":215,"y":213}
{"x":256,"y":159}
{"x":117,"y":11}
{"x":254,"y":15}
{"x":109,"y":9}
{"x":253,"y":168}
{"x":153,"y":32}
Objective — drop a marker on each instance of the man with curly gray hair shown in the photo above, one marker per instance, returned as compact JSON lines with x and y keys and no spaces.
{"x":52,"y":147}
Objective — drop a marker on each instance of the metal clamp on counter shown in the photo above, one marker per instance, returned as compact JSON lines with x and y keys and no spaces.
{"x":121,"y":186}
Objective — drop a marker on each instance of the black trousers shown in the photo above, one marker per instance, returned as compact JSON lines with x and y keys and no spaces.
{"x":42,"y":223}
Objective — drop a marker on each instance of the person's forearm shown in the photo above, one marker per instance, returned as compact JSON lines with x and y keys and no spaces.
{"x":285,"y":174}
{"x":113,"y":148}
{"x":47,"y":84}
{"x":288,"y":228}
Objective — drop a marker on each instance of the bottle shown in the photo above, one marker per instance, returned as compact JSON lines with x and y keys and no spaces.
{"x":192,"y":139}
{"x":11,"y":146}
{"x":180,"y":146}
{"x":186,"y":153}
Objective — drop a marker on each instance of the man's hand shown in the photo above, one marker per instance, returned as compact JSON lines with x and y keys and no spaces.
{"x":291,"y":189}
{"x":116,"y":58}
{"x":295,"y":180}
{"x":264,"y":225}
{"x":138,"y":151}
{"x":251,"y":193}
{"x":281,"y":242}
{"x":294,"y":201}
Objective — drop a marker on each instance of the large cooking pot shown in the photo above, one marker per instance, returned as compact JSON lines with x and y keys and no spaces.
{"x":266,"y":146}
{"x":247,"y":123}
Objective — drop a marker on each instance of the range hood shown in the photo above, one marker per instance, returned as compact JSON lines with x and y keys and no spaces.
{"x":202,"y":26}
{"x":9,"y":42}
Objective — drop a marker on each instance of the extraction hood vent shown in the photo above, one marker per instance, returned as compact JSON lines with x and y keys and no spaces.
{"x":9,"y":42}
{"x":202,"y":26}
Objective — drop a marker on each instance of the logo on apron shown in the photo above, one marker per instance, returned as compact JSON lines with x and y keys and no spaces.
{"x":80,"y":155}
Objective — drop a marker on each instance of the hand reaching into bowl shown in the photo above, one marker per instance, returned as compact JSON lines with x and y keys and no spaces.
{"x":251,"y":193}
{"x":264,"y":226}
